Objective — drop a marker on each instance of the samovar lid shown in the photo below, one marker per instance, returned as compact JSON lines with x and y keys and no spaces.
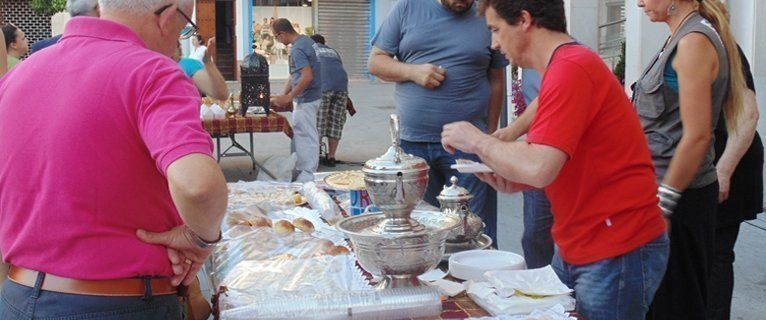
{"x":395,"y":159}
{"x":454,"y":192}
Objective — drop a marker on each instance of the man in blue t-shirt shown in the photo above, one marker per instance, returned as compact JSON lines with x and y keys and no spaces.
{"x":445,"y":71}
{"x":332,"y":111}
{"x":536,"y":241}
{"x":304,"y":90}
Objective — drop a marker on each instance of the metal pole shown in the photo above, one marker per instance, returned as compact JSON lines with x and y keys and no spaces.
{"x":315,"y":16}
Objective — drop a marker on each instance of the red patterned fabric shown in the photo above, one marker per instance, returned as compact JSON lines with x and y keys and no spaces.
{"x":459,"y":307}
{"x":239,"y":124}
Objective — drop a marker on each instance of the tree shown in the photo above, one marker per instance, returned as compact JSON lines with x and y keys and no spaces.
{"x":619,"y":69}
{"x":48,"y":7}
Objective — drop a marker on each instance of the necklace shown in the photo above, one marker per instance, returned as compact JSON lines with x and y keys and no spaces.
{"x":673,"y":34}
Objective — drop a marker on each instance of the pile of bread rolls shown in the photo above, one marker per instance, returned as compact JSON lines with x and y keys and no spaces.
{"x":254,"y":217}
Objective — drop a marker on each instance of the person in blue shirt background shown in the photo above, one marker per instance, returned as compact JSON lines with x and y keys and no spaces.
{"x":332,"y":112}
{"x":445,"y":71}
{"x":304,"y":91}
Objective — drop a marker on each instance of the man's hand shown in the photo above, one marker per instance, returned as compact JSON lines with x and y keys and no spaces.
{"x":281,"y":102}
{"x":427,"y":75}
{"x":506,"y":134}
{"x":724,"y":185}
{"x":501,"y":184}
{"x":462,"y":136}
{"x":185,"y":256}
{"x":210,"y":52}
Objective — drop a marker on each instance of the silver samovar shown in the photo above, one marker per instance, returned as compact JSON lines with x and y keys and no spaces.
{"x":455,"y":200}
{"x":398,"y":243}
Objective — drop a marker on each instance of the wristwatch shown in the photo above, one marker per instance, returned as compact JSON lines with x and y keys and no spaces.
{"x":202,"y":243}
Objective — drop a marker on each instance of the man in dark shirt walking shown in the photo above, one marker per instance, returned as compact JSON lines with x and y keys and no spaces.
{"x":332,"y":111}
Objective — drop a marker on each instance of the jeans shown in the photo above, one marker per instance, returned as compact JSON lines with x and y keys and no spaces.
{"x":484,"y":202}
{"x":25,"y":303}
{"x":537,"y":241}
{"x":617,"y":288}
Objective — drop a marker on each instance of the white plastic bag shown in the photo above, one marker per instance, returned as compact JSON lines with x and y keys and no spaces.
{"x":218,"y":112}
{"x":486,"y":296}
{"x":322,"y":202}
{"x":539,"y":282}
{"x":280,"y":166}
{"x":206,"y":113}
{"x":520,"y":291}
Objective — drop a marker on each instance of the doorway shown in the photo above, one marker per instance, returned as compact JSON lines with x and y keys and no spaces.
{"x":215,"y":18}
{"x":226,"y":38}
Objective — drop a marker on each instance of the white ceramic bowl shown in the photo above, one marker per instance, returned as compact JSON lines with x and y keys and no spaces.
{"x":471,"y":265}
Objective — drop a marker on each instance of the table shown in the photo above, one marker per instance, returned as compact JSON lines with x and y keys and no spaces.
{"x":459,"y":307}
{"x":250,"y":124}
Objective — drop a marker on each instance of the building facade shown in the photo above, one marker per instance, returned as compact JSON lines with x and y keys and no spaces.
{"x":36,"y":26}
{"x":346,"y":24}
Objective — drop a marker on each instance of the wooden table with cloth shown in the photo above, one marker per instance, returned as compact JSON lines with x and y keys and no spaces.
{"x":460,"y":306}
{"x":249,"y":124}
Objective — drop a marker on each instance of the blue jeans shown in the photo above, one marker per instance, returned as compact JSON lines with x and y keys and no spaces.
{"x":484,"y":202}
{"x":617,"y":288}
{"x":537,"y":241}
{"x":22,"y":302}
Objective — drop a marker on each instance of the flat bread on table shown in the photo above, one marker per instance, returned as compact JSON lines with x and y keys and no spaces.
{"x":346,"y":180}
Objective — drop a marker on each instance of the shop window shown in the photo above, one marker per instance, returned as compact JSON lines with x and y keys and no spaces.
{"x":299,"y":12}
{"x":283,"y":3}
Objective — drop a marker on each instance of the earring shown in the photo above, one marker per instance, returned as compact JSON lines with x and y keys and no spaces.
{"x":672,"y":10}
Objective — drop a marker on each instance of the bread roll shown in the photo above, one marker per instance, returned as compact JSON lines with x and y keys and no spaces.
{"x":283,"y":227}
{"x":324,"y":245}
{"x":304,"y":225}
{"x":260,"y":222}
{"x":298,"y":199}
{"x":235,"y":218}
{"x":338,"y":250}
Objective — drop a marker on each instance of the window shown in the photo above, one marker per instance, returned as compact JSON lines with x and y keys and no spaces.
{"x":282,"y":3}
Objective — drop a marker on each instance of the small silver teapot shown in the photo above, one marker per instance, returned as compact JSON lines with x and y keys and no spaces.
{"x":455,"y":200}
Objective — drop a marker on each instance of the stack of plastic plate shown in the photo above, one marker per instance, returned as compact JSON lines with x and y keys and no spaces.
{"x":472,"y":264}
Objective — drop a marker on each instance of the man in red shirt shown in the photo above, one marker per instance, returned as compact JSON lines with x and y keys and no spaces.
{"x":586,"y":148}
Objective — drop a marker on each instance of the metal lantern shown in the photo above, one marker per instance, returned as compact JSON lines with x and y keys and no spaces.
{"x":256,"y":90}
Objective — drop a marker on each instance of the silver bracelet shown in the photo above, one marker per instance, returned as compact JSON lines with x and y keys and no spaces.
{"x":202,"y":243}
{"x":668,"y":197}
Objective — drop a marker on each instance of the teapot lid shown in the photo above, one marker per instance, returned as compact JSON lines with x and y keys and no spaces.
{"x":454,"y":192}
{"x":395,"y":159}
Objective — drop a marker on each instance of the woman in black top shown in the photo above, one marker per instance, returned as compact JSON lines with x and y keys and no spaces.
{"x":739,"y":164}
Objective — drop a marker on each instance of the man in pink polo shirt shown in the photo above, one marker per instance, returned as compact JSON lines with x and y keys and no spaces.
{"x":109,"y":195}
